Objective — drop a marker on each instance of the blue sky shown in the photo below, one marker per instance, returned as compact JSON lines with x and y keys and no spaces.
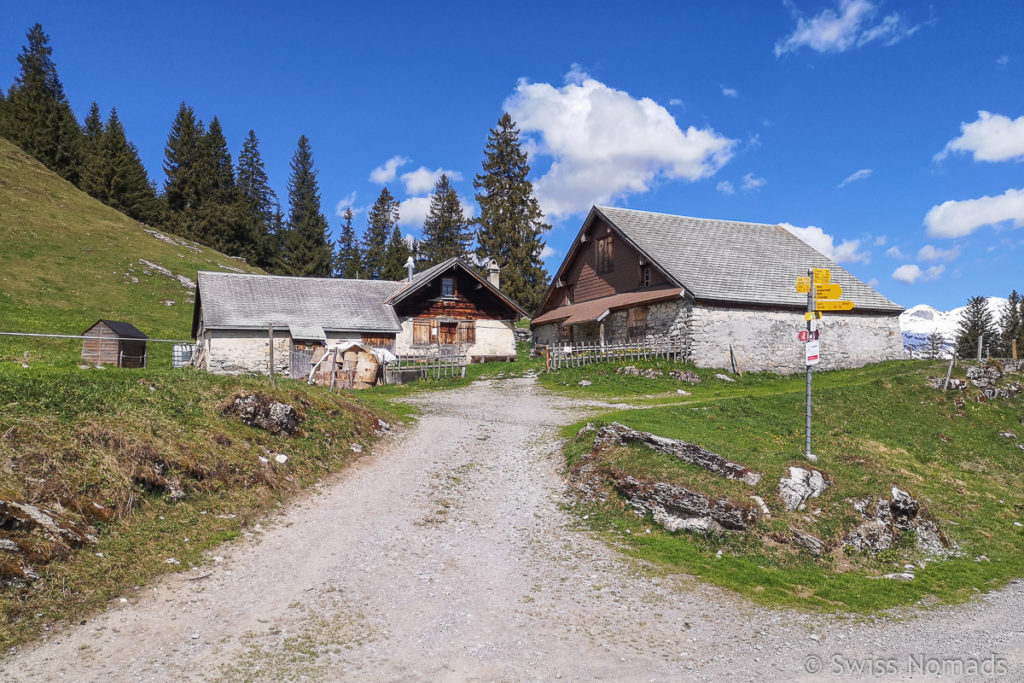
{"x":890,"y":135}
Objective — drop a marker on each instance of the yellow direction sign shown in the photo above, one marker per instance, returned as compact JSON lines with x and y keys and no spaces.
{"x":803,"y":285}
{"x":811,"y":316}
{"x":833,"y":305}
{"x":830,"y":291}
{"x":822,"y":276}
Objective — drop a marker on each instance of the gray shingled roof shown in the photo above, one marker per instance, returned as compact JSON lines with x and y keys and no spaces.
{"x":735,"y":262}
{"x":244,"y":302}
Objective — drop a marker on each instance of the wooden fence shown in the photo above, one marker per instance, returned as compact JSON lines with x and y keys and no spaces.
{"x":437,"y":362}
{"x":579,"y":354}
{"x":299,"y":363}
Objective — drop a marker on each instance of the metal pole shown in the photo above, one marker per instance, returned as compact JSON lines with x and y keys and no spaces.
{"x":980,"y":338}
{"x":810,"y":309}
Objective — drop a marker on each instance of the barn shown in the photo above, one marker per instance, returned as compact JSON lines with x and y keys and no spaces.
{"x":719,"y":289}
{"x":110,"y":342}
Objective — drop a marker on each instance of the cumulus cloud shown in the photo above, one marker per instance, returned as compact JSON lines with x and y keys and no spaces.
{"x":960,"y":218}
{"x":753,"y":182}
{"x":423,"y":179}
{"x":546,"y":252}
{"x":837,"y":31}
{"x":847,"y":251}
{"x":605,"y":144}
{"x":873,"y":283}
{"x":725,"y":187}
{"x":993,"y":137}
{"x":894,"y":252}
{"x":855,"y":176}
{"x":345,"y":203}
{"x":930,"y":253}
{"x":413,"y":211}
{"x":730,"y":92}
{"x":385,"y":173}
{"x":911,"y":273}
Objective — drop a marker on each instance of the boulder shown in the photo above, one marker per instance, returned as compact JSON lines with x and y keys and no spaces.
{"x":724,"y":378}
{"x":688,"y":376}
{"x":812,"y":544}
{"x":889,"y":519}
{"x":800,"y":485}
{"x":257,"y":410}
{"x":633,"y":371}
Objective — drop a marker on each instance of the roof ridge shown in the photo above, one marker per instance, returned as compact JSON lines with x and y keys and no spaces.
{"x":693,"y":218}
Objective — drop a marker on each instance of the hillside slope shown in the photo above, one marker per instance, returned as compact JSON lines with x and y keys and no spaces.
{"x":68,"y":260}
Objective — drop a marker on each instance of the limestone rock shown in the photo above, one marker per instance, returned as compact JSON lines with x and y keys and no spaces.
{"x":724,"y":378}
{"x":688,"y":376}
{"x":679,"y":508}
{"x":890,"y":519}
{"x":633,"y":371}
{"x":257,"y":410}
{"x":812,"y":544}
{"x":800,"y":485}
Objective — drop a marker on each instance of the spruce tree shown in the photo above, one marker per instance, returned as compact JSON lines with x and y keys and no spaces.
{"x":114,"y":174}
{"x":446,"y":232}
{"x":257,"y":199}
{"x":183,"y":166}
{"x":348,"y":260}
{"x":396,"y":254}
{"x":1010,"y":324}
{"x":92,"y":130}
{"x":511,"y":223}
{"x":307,"y":252}
{"x":37,"y":116}
{"x":219,"y":221}
{"x":976,"y":321}
{"x":935,"y":345}
{"x":381,"y":221}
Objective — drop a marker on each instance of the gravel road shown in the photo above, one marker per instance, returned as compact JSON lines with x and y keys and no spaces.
{"x":447,"y":555}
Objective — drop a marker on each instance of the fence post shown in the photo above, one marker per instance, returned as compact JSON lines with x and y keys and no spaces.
{"x":270,"y":333}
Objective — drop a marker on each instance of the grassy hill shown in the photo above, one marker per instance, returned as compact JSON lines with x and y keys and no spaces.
{"x":68,"y":260}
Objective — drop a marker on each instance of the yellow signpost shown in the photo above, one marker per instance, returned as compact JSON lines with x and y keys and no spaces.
{"x":822,"y":276}
{"x":833,"y":305}
{"x":831,"y":291}
{"x":803,"y":285}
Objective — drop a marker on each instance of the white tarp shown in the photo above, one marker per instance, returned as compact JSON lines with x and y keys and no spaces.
{"x":382,"y":355}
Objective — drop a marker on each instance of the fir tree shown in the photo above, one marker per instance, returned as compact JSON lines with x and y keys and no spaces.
{"x":37,"y":116}
{"x":219,"y":220}
{"x":92,"y":130}
{"x":307,"y":252}
{"x":976,"y":321}
{"x":446,"y":232}
{"x":114,"y":174}
{"x":396,"y":254}
{"x":257,"y":205}
{"x":1011,"y":326}
{"x":935,"y":345}
{"x":183,"y":166}
{"x":381,"y":222}
{"x":511,"y":223}
{"x":348,"y":260}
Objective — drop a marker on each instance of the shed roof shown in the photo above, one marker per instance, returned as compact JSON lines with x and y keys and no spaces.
{"x":595,"y":309}
{"x":732,"y":261}
{"x":121,"y":329}
{"x":243,"y":301}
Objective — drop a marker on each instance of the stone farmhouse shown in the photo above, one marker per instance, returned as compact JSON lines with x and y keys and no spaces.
{"x":641,"y":277}
{"x":448,"y":305}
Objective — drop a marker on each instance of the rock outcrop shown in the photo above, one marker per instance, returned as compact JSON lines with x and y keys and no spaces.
{"x":800,"y":485}
{"x":677,"y":508}
{"x":257,"y":410}
{"x":887,"y":520}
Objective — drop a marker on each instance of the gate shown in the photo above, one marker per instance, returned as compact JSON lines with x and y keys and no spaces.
{"x":299,"y":364}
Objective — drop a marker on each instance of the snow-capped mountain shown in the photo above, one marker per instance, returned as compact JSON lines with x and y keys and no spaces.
{"x":920,"y":321}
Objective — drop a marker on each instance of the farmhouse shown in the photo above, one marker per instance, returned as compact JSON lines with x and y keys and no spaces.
{"x":709,"y":286}
{"x":449,"y":305}
{"x":111,"y":342}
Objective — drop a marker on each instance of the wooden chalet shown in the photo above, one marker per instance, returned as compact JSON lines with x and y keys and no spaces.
{"x":110,"y":342}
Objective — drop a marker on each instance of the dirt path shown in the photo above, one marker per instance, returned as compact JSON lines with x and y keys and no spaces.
{"x":447,"y":557}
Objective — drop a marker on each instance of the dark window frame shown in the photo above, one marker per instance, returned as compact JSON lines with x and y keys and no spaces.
{"x":447,"y":288}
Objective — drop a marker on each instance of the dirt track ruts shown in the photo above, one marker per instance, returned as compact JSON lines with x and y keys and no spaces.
{"x":447,"y":556}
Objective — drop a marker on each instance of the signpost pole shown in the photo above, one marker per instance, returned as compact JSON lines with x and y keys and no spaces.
{"x":810,"y":309}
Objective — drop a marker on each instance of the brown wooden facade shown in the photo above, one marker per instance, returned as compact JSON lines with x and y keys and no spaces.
{"x":445,"y":310}
{"x":110,"y":342}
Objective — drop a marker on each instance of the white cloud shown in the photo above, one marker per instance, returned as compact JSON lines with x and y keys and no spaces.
{"x":957,"y":219}
{"x":345,"y":203}
{"x":546,"y":252}
{"x":729,"y":92}
{"x":413,"y":211}
{"x":894,"y":252}
{"x":930,"y":253}
{"x":606,"y":144}
{"x":752,"y":182}
{"x":754,"y":141}
{"x":725,"y":187}
{"x":881,"y":240}
{"x":576,"y":74}
{"x":675,"y":102}
{"x":848,"y":251}
{"x":832,"y":31}
{"x":423,"y":179}
{"x":385,"y":173}
{"x":911,"y":273}
{"x":855,"y":176}
{"x":873,"y":283}
{"x":993,"y":137}
{"x":1004,"y":60}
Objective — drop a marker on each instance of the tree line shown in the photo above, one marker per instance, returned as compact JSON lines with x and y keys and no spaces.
{"x":231,"y":207}
{"x":997,"y":338}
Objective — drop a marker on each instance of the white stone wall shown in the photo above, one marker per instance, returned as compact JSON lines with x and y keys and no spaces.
{"x":493,"y":338}
{"x":237,"y":352}
{"x":767,"y":340}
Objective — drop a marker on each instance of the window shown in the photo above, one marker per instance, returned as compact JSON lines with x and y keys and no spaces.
{"x":570,"y":294}
{"x":604,"y":254}
{"x":448,"y":287}
{"x":564,"y":333}
{"x":645,"y":276}
{"x":421,"y":332}
{"x":636,"y":324}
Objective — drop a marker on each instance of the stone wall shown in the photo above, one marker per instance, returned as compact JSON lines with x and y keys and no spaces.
{"x":767,"y":340}
{"x":237,"y":352}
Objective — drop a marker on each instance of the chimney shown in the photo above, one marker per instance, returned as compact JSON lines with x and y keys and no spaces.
{"x":409,"y":266}
{"x":494,"y":273}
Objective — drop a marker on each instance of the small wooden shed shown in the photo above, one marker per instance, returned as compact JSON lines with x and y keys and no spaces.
{"x":110,"y":342}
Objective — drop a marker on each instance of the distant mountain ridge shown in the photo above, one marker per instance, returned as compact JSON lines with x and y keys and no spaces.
{"x":918,"y":322}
